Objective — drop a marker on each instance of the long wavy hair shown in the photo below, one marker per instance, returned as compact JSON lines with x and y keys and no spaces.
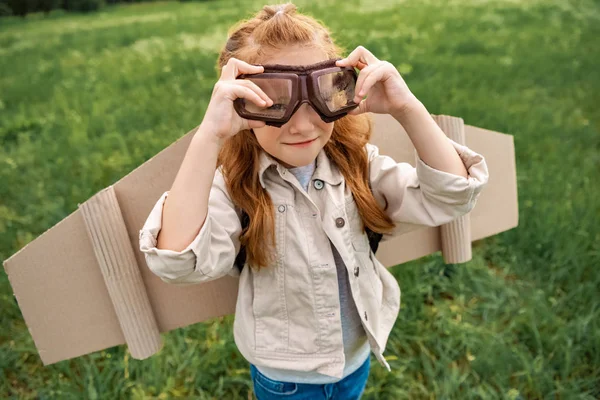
{"x":250,"y":40}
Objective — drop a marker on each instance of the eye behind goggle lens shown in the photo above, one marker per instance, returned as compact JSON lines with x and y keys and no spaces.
{"x":336,"y":89}
{"x":278,"y":90}
{"x":277,"y":110}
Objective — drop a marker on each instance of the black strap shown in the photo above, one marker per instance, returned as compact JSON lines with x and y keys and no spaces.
{"x":374,"y":239}
{"x":240,"y":259}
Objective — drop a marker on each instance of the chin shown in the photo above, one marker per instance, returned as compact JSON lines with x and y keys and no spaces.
{"x":299,"y":160}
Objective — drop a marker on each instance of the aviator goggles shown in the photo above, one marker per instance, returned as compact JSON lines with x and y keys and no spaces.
{"x":327,"y":88}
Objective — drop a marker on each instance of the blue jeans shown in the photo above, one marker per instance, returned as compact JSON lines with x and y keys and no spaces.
{"x":349,"y":388}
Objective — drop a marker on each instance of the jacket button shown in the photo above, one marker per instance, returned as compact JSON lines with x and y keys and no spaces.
{"x":366,"y":319}
{"x":356,"y":271}
{"x":318,"y":184}
{"x":339,"y":222}
{"x":281,"y":208}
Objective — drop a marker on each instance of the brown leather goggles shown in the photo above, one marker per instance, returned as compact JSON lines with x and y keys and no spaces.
{"x":328,"y":89}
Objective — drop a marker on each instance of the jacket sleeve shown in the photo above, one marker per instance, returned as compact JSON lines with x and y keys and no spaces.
{"x":212,"y":252}
{"x":422,"y":195}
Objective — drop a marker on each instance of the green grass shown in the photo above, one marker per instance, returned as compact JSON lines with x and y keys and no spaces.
{"x":84,"y":99}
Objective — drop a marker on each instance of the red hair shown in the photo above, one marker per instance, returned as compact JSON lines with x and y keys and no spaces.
{"x":251,"y":40}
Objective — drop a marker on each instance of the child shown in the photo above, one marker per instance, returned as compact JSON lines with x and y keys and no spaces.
{"x":313,"y":299}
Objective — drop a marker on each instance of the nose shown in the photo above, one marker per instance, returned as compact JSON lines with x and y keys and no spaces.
{"x":303,"y":120}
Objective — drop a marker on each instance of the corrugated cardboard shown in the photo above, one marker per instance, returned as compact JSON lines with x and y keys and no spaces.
{"x":83,"y":285}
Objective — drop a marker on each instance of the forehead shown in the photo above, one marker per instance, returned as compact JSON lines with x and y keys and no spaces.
{"x":295,"y":55}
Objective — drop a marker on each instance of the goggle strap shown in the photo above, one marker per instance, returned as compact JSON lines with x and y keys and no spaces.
{"x":300,"y":68}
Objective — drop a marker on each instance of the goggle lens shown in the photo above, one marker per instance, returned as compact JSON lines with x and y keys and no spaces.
{"x":278,"y":90}
{"x":336,"y":89}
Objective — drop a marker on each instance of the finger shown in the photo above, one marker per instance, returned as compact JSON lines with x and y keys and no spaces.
{"x":358,"y":55}
{"x":239,"y":91}
{"x":253,"y":86}
{"x":235,"y":67}
{"x":361,"y":77}
{"x":359,"y":91}
{"x":372,"y":77}
{"x":362,"y":108}
{"x":343,"y":63}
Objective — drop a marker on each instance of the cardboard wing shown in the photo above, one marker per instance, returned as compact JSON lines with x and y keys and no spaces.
{"x":83,"y":285}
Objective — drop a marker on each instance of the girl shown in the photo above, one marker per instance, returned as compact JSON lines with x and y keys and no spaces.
{"x":313,"y":299}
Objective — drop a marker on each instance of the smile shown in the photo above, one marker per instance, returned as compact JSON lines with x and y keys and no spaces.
{"x":301,"y":144}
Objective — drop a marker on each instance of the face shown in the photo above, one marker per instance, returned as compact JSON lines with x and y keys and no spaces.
{"x":298,"y":142}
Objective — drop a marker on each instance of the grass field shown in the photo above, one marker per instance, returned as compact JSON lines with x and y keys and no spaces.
{"x":84,"y":99}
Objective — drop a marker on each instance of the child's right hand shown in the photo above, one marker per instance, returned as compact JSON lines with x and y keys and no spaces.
{"x":220,"y":118}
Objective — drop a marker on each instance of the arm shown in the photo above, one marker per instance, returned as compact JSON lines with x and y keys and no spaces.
{"x":181,"y":239}
{"x":448,"y":177}
{"x":187,"y":206}
{"x":424,"y":195}
{"x":429,"y":140}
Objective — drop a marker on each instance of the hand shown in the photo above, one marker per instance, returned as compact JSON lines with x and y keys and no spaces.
{"x":220,"y":118}
{"x":380,"y":81}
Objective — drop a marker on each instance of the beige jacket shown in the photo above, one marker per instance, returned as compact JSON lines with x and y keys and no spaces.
{"x":287,"y":315}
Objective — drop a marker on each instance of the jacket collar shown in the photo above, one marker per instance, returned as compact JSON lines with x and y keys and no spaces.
{"x":324,"y":170}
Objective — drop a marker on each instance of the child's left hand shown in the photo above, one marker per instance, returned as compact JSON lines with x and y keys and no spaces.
{"x":386,"y":91}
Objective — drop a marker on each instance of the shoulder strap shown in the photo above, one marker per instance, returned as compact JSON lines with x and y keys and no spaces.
{"x":374,"y":237}
{"x":240,"y":259}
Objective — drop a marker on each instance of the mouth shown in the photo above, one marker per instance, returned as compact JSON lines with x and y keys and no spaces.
{"x":301,"y":143}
